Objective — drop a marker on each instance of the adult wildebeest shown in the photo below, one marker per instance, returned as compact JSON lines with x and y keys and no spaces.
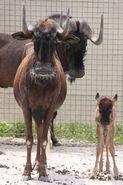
{"x":70,"y":52}
{"x":40,"y":86}
{"x":72,"y":55}
{"x":104,"y":117}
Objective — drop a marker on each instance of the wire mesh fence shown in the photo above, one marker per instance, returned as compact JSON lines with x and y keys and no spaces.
{"x":103,"y":64}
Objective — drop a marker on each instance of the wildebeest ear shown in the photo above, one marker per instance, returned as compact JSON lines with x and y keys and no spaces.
{"x":72,"y":39}
{"x":97,"y":96}
{"x":115,"y":97}
{"x":21,"y":36}
{"x":69,"y":39}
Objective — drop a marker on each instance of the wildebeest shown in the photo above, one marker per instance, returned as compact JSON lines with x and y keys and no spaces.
{"x":40,"y":86}
{"x":72,"y":55}
{"x":104,"y":117}
{"x":70,"y":52}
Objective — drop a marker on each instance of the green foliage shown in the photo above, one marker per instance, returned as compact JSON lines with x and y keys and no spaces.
{"x":71,"y":131}
{"x":13,"y":129}
{"x":76,"y":131}
{"x":84,"y":132}
{"x":118,"y":134}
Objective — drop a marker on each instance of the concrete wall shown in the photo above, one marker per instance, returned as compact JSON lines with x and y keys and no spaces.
{"x":103,"y":64}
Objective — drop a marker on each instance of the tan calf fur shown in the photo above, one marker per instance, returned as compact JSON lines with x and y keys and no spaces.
{"x":104,"y":117}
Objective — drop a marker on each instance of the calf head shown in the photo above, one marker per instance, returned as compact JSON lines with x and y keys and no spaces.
{"x":104,"y":113}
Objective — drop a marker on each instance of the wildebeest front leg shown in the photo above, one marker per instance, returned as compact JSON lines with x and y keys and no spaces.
{"x":101,"y":157}
{"x":107,"y":159}
{"x":112,"y":151}
{"x":42,"y":170}
{"x":29,"y":142}
{"x":100,"y":143}
{"x":39,"y":130}
{"x":107,"y":152}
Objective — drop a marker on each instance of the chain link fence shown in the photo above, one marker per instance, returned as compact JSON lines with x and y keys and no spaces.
{"x":103,"y":64}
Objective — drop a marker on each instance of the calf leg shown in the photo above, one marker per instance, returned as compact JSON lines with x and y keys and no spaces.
{"x":107,"y":159}
{"x":112,"y":151}
{"x":107,"y":151}
{"x":101,"y":157}
{"x":29,"y":142}
{"x":100,"y":143}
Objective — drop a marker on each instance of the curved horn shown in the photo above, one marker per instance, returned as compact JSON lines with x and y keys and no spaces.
{"x":84,"y":27}
{"x":66,"y":26}
{"x":25,"y":29}
{"x":98,"y":40}
{"x":61,"y":20}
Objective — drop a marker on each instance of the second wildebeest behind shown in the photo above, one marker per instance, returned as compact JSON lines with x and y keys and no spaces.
{"x":104,"y":117}
{"x":72,"y":55}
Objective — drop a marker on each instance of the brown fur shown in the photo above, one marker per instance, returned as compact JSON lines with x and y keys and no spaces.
{"x":11,"y":51}
{"x":105,"y":133}
{"x":37,"y":98}
{"x":11,"y":54}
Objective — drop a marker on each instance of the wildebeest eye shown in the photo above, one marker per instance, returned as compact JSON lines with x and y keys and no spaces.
{"x":100,"y":111}
{"x":67,"y":46}
{"x":110,"y":111}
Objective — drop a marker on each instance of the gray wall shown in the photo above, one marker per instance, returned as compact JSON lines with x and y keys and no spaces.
{"x":103,"y":64}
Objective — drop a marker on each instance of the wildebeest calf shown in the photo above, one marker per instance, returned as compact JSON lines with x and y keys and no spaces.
{"x":104,"y":117}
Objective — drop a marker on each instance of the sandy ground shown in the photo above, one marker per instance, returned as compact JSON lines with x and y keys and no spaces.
{"x":69,"y":164}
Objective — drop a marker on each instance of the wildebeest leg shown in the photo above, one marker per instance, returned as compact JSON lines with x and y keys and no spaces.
{"x":53,"y":138}
{"x":98,"y":149}
{"x":107,"y":153}
{"x":39,"y":130}
{"x":101,"y":157}
{"x":112,"y":151}
{"x":43,"y":162}
{"x":29,"y":142}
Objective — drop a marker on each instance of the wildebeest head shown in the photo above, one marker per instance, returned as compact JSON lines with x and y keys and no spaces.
{"x":105,"y":108}
{"x":45,"y":34}
{"x":72,"y":55}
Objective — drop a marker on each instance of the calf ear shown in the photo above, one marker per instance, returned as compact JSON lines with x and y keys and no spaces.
{"x":115,"y":97}
{"x":97,"y":96}
{"x":21,"y":36}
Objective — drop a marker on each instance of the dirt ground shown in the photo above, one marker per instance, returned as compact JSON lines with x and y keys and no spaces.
{"x":69,"y":164}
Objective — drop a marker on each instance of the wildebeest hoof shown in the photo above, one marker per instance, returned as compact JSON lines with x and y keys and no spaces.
{"x":57,"y":144}
{"x":107,"y":172}
{"x":116,"y":177}
{"x":26,"y":177}
{"x":44,"y":178}
{"x":93,"y":175}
